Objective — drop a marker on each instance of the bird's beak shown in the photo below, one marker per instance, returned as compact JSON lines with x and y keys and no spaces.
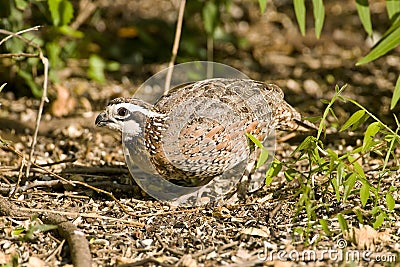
{"x":101,"y":119}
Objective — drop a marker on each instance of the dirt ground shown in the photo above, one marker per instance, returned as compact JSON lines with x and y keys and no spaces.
{"x":133,"y":229}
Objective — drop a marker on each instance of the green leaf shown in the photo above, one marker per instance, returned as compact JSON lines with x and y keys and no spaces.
{"x":55,"y":13}
{"x":392,"y":7}
{"x":273,"y":171}
{"x":369,"y":135}
{"x":67,"y":30}
{"x":96,"y":68}
{"x":324,"y":225}
{"x":289,"y":174}
{"x":61,"y":11}
{"x":348,"y":186}
{"x":210,"y":17}
{"x":66,"y":11}
{"x":254,"y":140}
{"x":18,"y":230}
{"x":364,"y":14}
{"x":353,"y":119}
{"x":21,"y":4}
{"x":390,"y":203}
{"x":360,"y":122}
{"x":38,"y":227}
{"x":35,"y":89}
{"x":342,"y":223}
{"x":396,"y":93}
{"x":359,"y":215}
{"x":307,"y":144}
{"x":262,"y":158}
{"x":379,"y":220}
{"x":263,"y":5}
{"x":300,"y":10}
{"x":357,"y":167}
{"x":384,"y":45}
{"x":364,"y":193}
{"x":319,"y":16}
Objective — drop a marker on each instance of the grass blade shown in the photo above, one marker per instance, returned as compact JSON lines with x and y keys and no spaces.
{"x":386,"y":44}
{"x":263,"y":5}
{"x":392,"y":7}
{"x":300,"y":10}
{"x":319,"y":16}
{"x":353,"y":119}
{"x":364,"y":14}
{"x":396,"y":94}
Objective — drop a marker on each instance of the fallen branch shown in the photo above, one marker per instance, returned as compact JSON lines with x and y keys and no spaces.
{"x":79,"y":246}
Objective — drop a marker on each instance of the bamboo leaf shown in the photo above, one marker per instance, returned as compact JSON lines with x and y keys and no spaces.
{"x":342,"y":223}
{"x":263,"y":5}
{"x":379,"y":220}
{"x":324,"y":225}
{"x":392,"y":7}
{"x":386,"y":44}
{"x":353,"y":119}
{"x":273,"y":171}
{"x":364,"y":14}
{"x":370,"y":133}
{"x":319,"y":16}
{"x":364,"y":193}
{"x":300,"y":11}
{"x":349,"y":184}
{"x":390,"y":203}
{"x":396,"y":93}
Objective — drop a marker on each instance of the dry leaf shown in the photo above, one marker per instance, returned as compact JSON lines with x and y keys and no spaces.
{"x":367,"y":237}
{"x":64,"y":103}
{"x":256,"y":231}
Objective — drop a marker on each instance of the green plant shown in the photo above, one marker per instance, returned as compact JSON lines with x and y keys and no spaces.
{"x":337,"y":176}
{"x":34,"y":227}
{"x":389,"y":40}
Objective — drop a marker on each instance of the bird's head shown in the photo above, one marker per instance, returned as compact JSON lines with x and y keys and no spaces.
{"x":125,"y":115}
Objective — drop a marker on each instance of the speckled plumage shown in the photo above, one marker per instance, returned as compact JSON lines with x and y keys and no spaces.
{"x":197,"y":131}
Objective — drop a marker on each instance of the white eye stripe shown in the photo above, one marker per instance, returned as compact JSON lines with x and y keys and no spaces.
{"x":136,"y":108}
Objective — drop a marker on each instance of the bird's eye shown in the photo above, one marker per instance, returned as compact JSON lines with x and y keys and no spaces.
{"x":122,"y":112}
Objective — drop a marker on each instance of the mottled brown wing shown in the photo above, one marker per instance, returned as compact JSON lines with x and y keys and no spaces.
{"x":204,"y":133}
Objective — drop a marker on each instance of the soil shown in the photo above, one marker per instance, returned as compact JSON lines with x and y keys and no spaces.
{"x":126,"y":227}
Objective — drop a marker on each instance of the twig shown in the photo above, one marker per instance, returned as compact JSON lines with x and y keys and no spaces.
{"x":168,"y":212}
{"x":79,"y":246}
{"x":86,"y":8}
{"x":19,"y":178}
{"x":74,"y":183}
{"x":18,"y":55}
{"x":45,"y":63}
{"x":11,"y":34}
{"x":85,"y":215}
{"x":167,"y":248}
{"x":145,"y":262}
{"x":203,"y":252}
{"x":57,"y":250}
{"x":175,"y":46}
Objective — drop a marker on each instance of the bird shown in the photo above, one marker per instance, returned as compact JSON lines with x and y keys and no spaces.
{"x":198,"y":130}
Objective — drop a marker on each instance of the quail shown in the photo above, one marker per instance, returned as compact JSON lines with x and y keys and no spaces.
{"x":198,"y":130}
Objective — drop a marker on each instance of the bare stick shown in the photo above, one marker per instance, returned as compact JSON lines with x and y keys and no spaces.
{"x":11,"y":34}
{"x":45,"y":63}
{"x":175,"y":47}
{"x":73,"y":183}
{"x":18,"y":55}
